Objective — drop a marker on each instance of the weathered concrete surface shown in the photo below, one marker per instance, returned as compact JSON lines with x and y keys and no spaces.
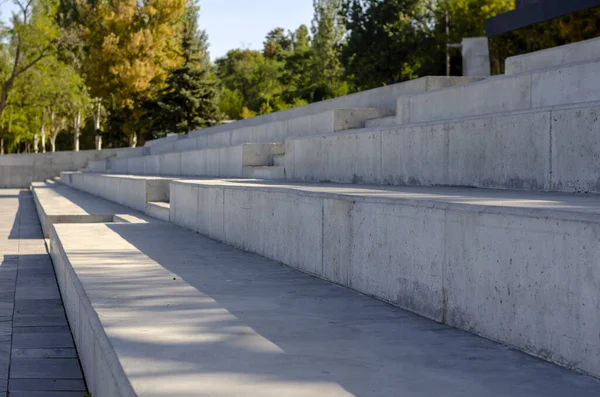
{"x":555,"y":149}
{"x":517,"y":267}
{"x":475,"y":56}
{"x":19,"y":170}
{"x":130,"y":190}
{"x":160,"y":311}
{"x":381,"y":98}
{"x":37,"y":354}
{"x":561,"y":85}
{"x":570,"y":53}
{"x":226,"y":162}
{"x":58,"y":203}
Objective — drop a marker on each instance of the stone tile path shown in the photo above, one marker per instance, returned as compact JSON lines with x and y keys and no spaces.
{"x":37,"y":354}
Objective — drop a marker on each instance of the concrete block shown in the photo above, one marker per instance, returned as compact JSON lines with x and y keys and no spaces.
{"x":152,"y":165}
{"x":551,"y":57}
{"x":260,"y":154}
{"x":193,"y":163}
{"x":210,"y":213}
{"x":184,"y":204}
{"x":135,"y":165}
{"x":575,"y":135}
{"x":170,"y":164}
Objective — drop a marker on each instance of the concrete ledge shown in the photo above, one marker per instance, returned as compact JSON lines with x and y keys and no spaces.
{"x":515,"y":267}
{"x":128,"y":190}
{"x":566,"y":54}
{"x":159,"y":311}
{"x":57,"y":203}
{"x":553,"y":149}
{"x":556,"y":86}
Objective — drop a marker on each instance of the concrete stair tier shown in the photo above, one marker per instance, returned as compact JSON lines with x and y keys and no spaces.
{"x":473,"y":207}
{"x":157,"y":310}
{"x":553,"y":148}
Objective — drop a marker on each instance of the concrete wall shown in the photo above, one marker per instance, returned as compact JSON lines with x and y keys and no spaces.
{"x":548,"y":149}
{"x":558,"y":86}
{"x":19,"y":170}
{"x":226,"y":162}
{"x":381,"y":98}
{"x":525,"y":277}
{"x":127,"y":190}
{"x":570,"y":53}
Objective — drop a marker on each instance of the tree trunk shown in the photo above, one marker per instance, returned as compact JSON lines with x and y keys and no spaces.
{"x":2,"y":146}
{"x":36,"y":143}
{"x":98,"y":142}
{"x":133,"y":140}
{"x":53,"y":143}
{"x":76,"y":133}
{"x":43,"y":139}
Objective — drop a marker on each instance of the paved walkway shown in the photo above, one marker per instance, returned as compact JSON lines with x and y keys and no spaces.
{"x":37,"y":354}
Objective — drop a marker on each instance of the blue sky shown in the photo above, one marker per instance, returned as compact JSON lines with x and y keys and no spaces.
{"x":237,"y":23}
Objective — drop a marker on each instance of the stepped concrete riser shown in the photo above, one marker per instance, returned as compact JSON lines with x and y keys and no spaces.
{"x":130,"y":191}
{"x":558,"y":86}
{"x":99,"y":362}
{"x":553,"y":149}
{"x":515,"y":276}
{"x":570,"y":53}
{"x":220,"y":162}
{"x":276,"y":123}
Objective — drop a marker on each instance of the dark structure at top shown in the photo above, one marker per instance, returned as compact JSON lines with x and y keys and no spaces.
{"x":530,"y":12}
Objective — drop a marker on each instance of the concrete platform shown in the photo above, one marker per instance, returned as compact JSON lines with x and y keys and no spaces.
{"x":517,"y":267}
{"x":57,"y":203}
{"x":554,"y":148}
{"x":160,"y":311}
{"x":560,"y":85}
{"x":129,"y":190}
{"x":576,"y":52}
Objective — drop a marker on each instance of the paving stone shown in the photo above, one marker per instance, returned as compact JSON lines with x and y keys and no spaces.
{"x":38,"y":306}
{"x":44,"y":353}
{"x":64,"y":368}
{"x":46,"y":385}
{"x":25,"y":320}
{"x":47,"y":394}
{"x":42,"y":340}
{"x":35,"y":330}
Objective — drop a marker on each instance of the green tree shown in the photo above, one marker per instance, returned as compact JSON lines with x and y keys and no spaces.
{"x":387,"y":40}
{"x":328,"y":29}
{"x":190,"y":99}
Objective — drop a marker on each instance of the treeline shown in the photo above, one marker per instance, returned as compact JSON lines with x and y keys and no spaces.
{"x":125,"y":70}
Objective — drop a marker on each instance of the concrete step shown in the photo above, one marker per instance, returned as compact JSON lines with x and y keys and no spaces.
{"x":381,"y":122}
{"x":552,"y":149}
{"x":270,"y":172}
{"x":279,"y":159}
{"x":161,"y":311}
{"x":130,"y":190}
{"x":225,"y":162}
{"x":511,"y":266}
{"x":57,"y":203}
{"x":562,"y":85}
{"x":571,"y":53}
{"x":275,"y":127}
{"x":158,"y":210}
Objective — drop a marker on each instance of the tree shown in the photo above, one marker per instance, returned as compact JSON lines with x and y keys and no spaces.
{"x":130,"y":46}
{"x":32,"y":37}
{"x":328,"y":29}
{"x":387,"y":40}
{"x":190,"y":99}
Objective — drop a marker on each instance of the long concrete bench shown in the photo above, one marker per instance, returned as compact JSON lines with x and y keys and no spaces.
{"x":160,"y":311}
{"x":565,"y":84}
{"x":130,"y":190}
{"x":228,"y":162}
{"x":552,"y":149}
{"x":517,"y":267}
{"x":276,"y":131}
{"x":380,"y":98}
{"x":556,"y":56}
{"x":57,"y":203}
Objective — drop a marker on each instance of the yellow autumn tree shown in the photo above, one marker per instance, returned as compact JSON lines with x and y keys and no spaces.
{"x":130,"y":47}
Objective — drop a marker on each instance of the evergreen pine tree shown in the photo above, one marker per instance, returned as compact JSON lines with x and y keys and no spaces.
{"x":190,"y":99}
